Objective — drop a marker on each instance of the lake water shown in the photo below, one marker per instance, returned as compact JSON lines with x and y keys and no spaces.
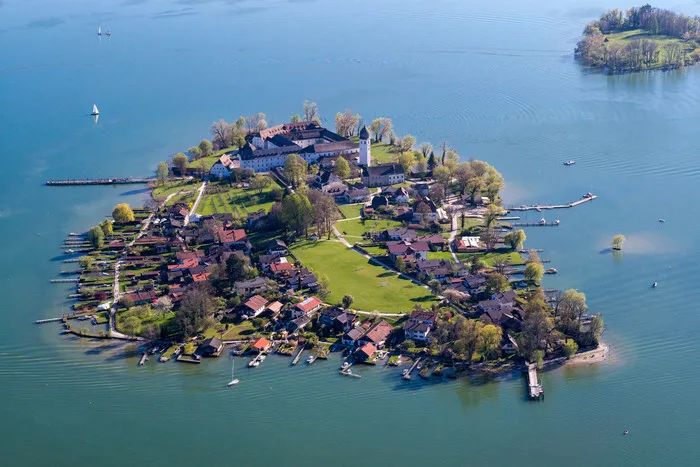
{"x":495,"y":79}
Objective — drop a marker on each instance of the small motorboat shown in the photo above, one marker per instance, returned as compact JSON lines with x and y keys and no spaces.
{"x":654,"y":285}
{"x":551,"y":271}
{"x":233,"y":381}
{"x":70,"y":251}
{"x":556,"y":222}
{"x":569,"y":162}
{"x":662,"y":221}
{"x":626,"y":432}
{"x":311,"y":359}
{"x":543,"y":221}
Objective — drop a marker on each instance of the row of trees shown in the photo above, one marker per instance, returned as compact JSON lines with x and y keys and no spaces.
{"x":648,"y":18}
{"x":461,"y":338}
{"x":306,"y":208}
{"x":121,"y":214}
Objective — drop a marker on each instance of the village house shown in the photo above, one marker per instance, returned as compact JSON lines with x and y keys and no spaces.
{"x":210,"y":348}
{"x":222,"y":168}
{"x":298,"y":324}
{"x":141,"y":297}
{"x":468,"y":244}
{"x":306,"y":307}
{"x":354,"y":194}
{"x":383,"y":175}
{"x":261,"y":345}
{"x":425,"y":211}
{"x":378,"y":334}
{"x":300,"y":279}
{"x":419,"y":325}
{"x":277,"y":247}
{"x":408,"y":251}
{"x":365,"y":352}
{"x":351,"y":337}
{"x":254,"y":306}
{"x":400,"y":196}
{"x":250,"y":286}
{"x":337,"y":319}
{"x":400,"y":234}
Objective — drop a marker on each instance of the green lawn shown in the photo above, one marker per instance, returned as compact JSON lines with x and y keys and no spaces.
{"x":356,"y":227}
{"x":495,"y":257}
{"x":188,"y":187}
{"x":350,"y":210}
{"x":440,"y":255}
{"x":205,"y":163}
{"x":238,"y":201}
{"x":349,"y":273}
{"x":662,"y":41}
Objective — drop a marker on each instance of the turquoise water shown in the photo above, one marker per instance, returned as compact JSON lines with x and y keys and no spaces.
{"x":496,"y":80}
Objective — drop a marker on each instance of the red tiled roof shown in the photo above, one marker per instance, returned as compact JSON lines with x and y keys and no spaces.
{"x":368,"y":349}
{"x":281,"y":267}
{"x":256,"y":302}
{"x":261,"y":344}
{"x":379,"y":332}
{"x":275,"y":307}
{"x":231,"y":236}
{"x":308,"y":305}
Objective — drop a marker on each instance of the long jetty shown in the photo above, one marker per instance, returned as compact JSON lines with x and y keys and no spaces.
{"x":535,"y":390}
{"x":99,"y":181}
{"x":541,"y":207}
{"x":536,"y":224}
{"x":297,"y":357}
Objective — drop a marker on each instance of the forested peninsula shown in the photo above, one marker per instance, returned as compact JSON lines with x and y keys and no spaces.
{"x":642,"y":38}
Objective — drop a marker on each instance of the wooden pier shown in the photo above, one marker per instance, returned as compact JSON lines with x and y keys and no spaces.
{"x":541,"y":207}
{"x":297,"y":356}
{"x":535,"y":390}
{"x":49,"y":320}
{"x":406,"y":374}
{"x":99,"y":181}
{"x":536,"y":224}
{"x":65,"y":280}
{"x":144,"y":359}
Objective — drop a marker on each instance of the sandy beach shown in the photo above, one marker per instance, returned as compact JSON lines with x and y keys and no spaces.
{"x":592,"y":356}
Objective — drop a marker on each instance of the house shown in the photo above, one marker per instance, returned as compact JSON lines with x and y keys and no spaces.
{"x":475,"y":283}
{"x":338,"y":319}
{"x":306,"y":307}
{"x":383,"y":175}
{"x":250,"y":286}
{"x":298,"y":324}
{"x":467,"y":244}
{"x":274,"y":308}
{"x":419,"y":324}
{"x":198,"y":274}
{"x":222,"y":168}
{"x":365,"y":352}
{"x":422,"y":188}
{"x":277,"y":247}
{"x":354,"y":195}
{"x":351,"y":337}
{"x":435,"y":268}
{"x":425,"y":210}
{"x":281,"y":267}
{"x":400,"y":234}
{"x":408,"y":251}
{"x":261,"y":345}
{"x":379,"y":201}
{"x":141,"y":297}
{"x":436,"y":241}
{"x":254,"y":306}
{"x":210,"y":348}
{"x":327,"y":317}
{"x":302,"y":278}
{"x":400,"y":196}
{"x":378,"y":334}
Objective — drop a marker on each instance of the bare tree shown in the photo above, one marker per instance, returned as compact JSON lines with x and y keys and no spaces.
{"x":346,"y":123}
{"x":311,"y":112}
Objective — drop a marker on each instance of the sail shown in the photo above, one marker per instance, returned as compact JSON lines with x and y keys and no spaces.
{"x":99,"y":30}
{"x":94,"y":110}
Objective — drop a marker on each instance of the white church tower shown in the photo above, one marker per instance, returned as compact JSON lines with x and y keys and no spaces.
{"x":365,"y":148}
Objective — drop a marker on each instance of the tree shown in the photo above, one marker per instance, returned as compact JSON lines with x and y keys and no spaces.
{"x":294,"y":170}
{"x":346,"y":123}
{"x":162,"y":172}
{"x":497,"y":283}
{"x":435,"y":286}
{"x":534,"y":272}
{"x":426,"y":149}
{"x":570,"y":348}
{"x":347,"y":301}
{"x":442,"y":175}
{"x":617,"y":242}
{"x":180,"y":162}
{"x":493,"y":212}
{"x":406,"y":159}
{"x":260,"y":182}
{"x":296,"y":118}
{"x":297,"y":213}
{"x":206,"y":148}
{"x":324,"y":211}
{"x":107,"y":227}
{"x":432,"y":163}
{"x":516,"y":239}
{"x":238,"y":268}
{"x":122,"y":213}
{"x":342,"y":168}
{"x":381,"y":128}
{"x":196,"y":305}
{"x":596,"y":329}
{"x":311,"y":112}
{"x":489,"y":341}
{"x":400,"y":264}
{"x":407,"y":143}
{"x":256,"y":122}
{"x":96,"y":237}
{"x":220,"y":133}
{"x":570,"y":309}
{"x":194,"y":153}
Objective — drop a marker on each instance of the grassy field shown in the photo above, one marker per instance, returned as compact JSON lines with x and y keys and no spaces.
{"x":238,"y":201}
{"x":350,"y":210}
{"x":492,"y":258}
{"x":662,"y":41}
{"x":349,"y":273}
{"x":205,"y":163}
{"x":356,"y":228}
{"x":188,"y":187}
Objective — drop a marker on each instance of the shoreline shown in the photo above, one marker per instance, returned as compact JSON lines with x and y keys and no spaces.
{"x":598,"y":355}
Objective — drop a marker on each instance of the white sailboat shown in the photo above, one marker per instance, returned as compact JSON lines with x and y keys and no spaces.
{"x":95,"y":110}
{"x":99,"y":30}
{"x":233,"y":381}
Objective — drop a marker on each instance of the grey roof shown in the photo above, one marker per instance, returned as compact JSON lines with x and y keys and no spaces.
{"x":364,"y":134}
{"x":382,"y":170}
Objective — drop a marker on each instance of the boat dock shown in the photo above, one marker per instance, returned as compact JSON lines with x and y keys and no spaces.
{"x":187,"y":359}
{"x":535,"y":390}
{"x":536,"y":224}
{"x":99,"y":181}
{"x":407,"y":373}
{"x":49,"y":320}
{"x":65,"y":280}
{"x":540,"y":207}
{"x":144,"y":359}
{"x":297,"y":356}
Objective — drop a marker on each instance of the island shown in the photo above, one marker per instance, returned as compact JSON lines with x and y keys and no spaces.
{"x":642,"y":38}
{"x":295,"y":238}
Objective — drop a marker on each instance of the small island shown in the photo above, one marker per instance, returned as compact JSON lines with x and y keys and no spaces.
{"x":643,"y":38}
{"x":295,"y":238}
